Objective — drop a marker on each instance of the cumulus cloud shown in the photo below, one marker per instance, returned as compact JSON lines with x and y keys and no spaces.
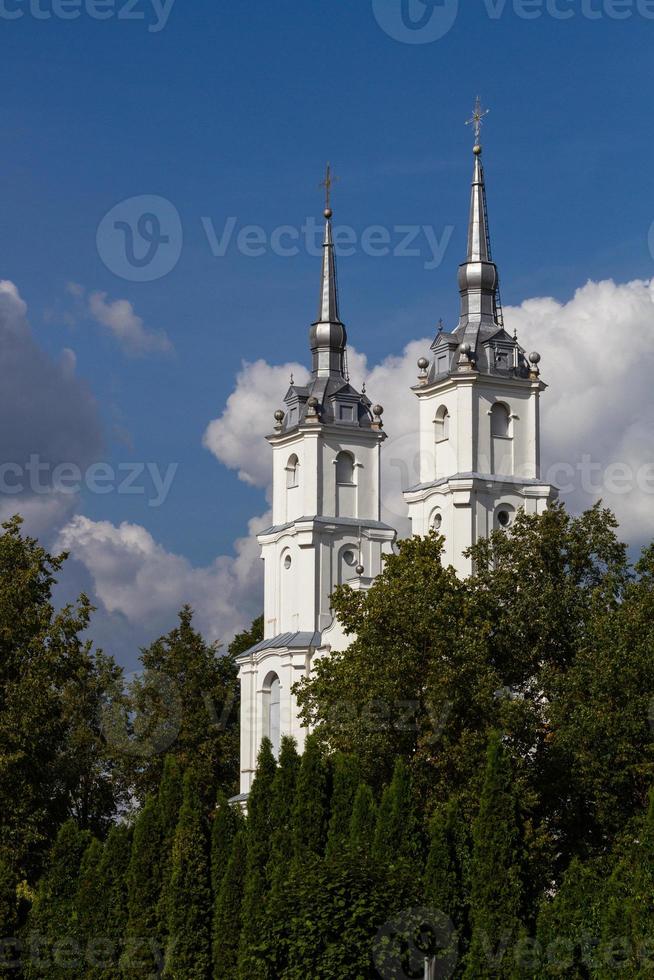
{"x":134,"y":575}
{"x":120,"y":318}
{"x":597,"y":416}
{"x":237,"y":437}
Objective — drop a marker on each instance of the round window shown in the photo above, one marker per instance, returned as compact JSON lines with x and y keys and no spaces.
{"x":504,"y":518}
{"x":438,"y":522}
{"x":288,"y":561}
{"x":349,"y":557}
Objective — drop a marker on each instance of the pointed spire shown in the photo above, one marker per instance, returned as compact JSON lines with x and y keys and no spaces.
{"x":478,"y":278}
{"x":328,"y":305}
{"x":327,"y":336}
{"x":478,"y":237}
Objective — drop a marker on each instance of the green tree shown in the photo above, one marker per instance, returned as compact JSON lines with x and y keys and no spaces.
{"x":52,"y":948}
{"x":345,"y":783}
{"x":259,"y":833}
{"x":228,"y":912}
{"x":9,"y":951}
{"x":186,"y":703}
{"x":87,"y":914}
{"x":227,"y":822}
{"x":363,"y":820}
{"x":310,"y":808}
{"x":188,"y":955}
{"x":397,"y":831}
{"x":496,"y":871}
{"x":628,"y":905}
{"x":445,"y":881}
{"x":280,"y":901}
{"x":569,"y":925}
{"x":551,"y":641}
{"x":143,"y":941}
{"x":169,"y":804}
{"x":112,"y":877}
{"x":53,"y":760}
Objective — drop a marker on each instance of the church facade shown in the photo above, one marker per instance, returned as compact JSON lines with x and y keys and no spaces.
{"x":479,"y":433}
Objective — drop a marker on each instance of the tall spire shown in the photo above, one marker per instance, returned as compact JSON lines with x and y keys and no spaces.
{"x":478,"y":278}
{"x":327,"y":336}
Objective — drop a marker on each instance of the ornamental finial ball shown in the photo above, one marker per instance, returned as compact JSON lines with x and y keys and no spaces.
{"x":477,"y":150}
{"x":378,"y":410}
{"x":423,"y":363}
{"x":360,"y":570}
{"x":328,"y":213}
{"x":279,"y":415}
{"x":534,"y":357}
{"x":465,"y":349}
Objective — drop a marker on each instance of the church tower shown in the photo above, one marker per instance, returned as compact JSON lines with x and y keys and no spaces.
{"x":326,"y":448}
{"x":479,"y":397}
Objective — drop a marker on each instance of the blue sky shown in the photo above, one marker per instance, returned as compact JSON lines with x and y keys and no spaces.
{"x":231,"y":111}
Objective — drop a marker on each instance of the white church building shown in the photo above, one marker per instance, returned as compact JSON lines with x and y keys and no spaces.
{"x":479,"y":432}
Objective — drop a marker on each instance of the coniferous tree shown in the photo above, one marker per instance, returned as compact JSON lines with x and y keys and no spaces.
{"x":397,"y":829}
{"x":445,"y":884}
{"x":310,"y":808}
{"x":188,"y":955}
{"x":144,"y":945}
{"x":169,"y":804}
{"x":104,"y":956}
{"x":88,"y":905}
{"x":569,"y":925}
{"x":187,"y":701}
{"x":496,"y":872}
{"x":52,"y":948}
{"x":259,"y":836}
{"x":363,"y":820}
{"x":279,"y":904}
{"x":628,"y":906}
{"x":345,"y":783}
{"x":228,"y":912}
{"x":227,"y":822}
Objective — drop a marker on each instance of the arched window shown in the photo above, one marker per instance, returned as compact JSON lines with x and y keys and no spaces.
{"x":292,"y":472}
{"x":442,"y":424}
{"x":501,"y":440}
{"x":345,"y":469}
{"x":500,"y":421}
{"x":271,"y":711}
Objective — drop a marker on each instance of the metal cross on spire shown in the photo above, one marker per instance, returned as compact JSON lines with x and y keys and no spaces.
{"x":328,"y":183}
{"x":477,"y":120}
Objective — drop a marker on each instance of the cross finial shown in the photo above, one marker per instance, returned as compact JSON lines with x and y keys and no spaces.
{"x":328,"y":183}
{"x":477,"y":120}
{"x":440,"y":325}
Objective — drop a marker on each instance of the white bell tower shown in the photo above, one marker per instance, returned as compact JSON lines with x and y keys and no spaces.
{"x":326,"y":528}
{"x":479,"y":398}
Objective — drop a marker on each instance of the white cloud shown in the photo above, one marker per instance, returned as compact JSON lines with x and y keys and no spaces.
{"x":134,"y":575}
{"x":128,"y":329}
{"x":597,"y":358}
{"x":237,"y":438}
